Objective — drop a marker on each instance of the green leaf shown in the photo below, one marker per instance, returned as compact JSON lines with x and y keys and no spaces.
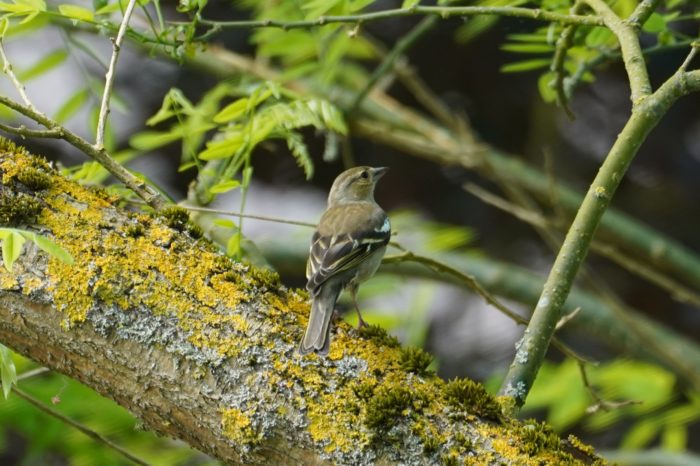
{"x":233,"y":245}
{"x":223,"y":149}
{"x":655,"y":24}
{"x":527,"y":48}
{"x":3,"y":26}
{"x":526,"y":65}
{"x":296,"y":145}
{"x":52,"y":249}
{"x":47,"y":63}
{"x":599,"y":36}
{"x":11,"y":249}
{"x":76,"y":12}
{"x":674,"y":437}
{"x":544,"y":84}
{"x":640,"y":435}
{"x":224,"y":223}
{"x":232,"y":111}
{"x":8,"y":373}
{"x":224,"y":186}
{"x":409,"y":3}
{"x":71,"y":106}
{"x":149,"y":140}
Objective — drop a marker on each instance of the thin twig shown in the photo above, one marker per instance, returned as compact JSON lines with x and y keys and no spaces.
{"x":600,"y":403}
{"x":232,"y":213}
{"x":109,"y":77}
{"x":637,"y":267}
{"x":563,"y":45}
{"x":695,"y":47}
{"x":82,"y":428}
{"x":24,"y":132}
{"x":143,"y":190}
{"x":401,"y":46}
{"x":442,"y":11}
{"x":641,"y":14}
{"x":475,"y":286}
{"x":7,"y":69}
{"x":632,"y":56}
{"x":33,"y":373}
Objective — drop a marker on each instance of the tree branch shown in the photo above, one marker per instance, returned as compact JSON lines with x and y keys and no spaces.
{"x":145,"y":192}
{"x":442,"y":11}
{"x":632,"y":55}
{"x":644,"y":118}
{"x":203,"y":349}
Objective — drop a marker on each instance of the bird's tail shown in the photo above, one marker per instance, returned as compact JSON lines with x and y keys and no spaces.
{"x":317,"y":336}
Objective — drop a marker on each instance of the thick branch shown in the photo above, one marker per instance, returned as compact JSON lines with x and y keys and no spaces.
{"x":203,"y":349}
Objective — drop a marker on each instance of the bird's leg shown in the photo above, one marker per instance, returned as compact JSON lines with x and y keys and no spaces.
{"x":360,"y":322}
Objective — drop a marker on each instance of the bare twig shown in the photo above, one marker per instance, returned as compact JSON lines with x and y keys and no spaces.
{"x":73,"y":423}
{"x":109,"y":77}
{"x":7,"y":69}
{"x":232,"y":213}
{"x":695,"y":47}
{"x":563,"y":45}
{"x":24,"y":132}
{"x":475,"y":286}
{"x":637,"y":267}
{"x":442,"y":11}
{"x":600,"y":403}
{"x":631,"y":51}
{"x":32,"y":373}
{"x":567,"y":318}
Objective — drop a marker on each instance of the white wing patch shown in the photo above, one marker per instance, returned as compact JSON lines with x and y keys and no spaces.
{"x":385,"y":228}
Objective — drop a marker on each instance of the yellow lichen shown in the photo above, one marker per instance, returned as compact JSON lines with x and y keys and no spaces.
{"x":238,"y":426}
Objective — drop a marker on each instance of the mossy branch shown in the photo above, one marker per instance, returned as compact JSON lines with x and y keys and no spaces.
{"x":202,"y":349}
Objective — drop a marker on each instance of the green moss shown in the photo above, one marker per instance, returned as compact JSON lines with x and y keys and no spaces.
{"x":379,"y":335}
{"x":538,"y":437}
{"x":264,"y":276}
{"x":194,"y":230}
{"x":33,"y":178}
{"x":449,"y":459}
{"x":472,"y":397}
{"x":18,"y":208}
{"x":8,"y":146}
{"x":386,"y":406}
{"x":416,"y":360}
{"x":134,"y":230}
{"x":175,"y":216}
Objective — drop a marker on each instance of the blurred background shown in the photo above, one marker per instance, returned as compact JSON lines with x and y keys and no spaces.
{"x":640,"y":402}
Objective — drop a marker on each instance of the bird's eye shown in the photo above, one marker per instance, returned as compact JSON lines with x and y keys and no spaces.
{"x":364,"y":174}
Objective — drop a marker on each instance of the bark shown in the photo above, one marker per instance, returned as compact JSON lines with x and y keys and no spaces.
{"x":202,"y":348}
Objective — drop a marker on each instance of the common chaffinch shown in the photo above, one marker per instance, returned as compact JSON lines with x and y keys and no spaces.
{"x":346,"y":250}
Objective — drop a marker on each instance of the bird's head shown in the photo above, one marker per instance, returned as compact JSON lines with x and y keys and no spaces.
{"x":355,"y":184}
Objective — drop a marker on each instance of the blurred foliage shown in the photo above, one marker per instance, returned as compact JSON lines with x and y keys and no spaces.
{"x":46,"y":440}
{"x":653,"y":409}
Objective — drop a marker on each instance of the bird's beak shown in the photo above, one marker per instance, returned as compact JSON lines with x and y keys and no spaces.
{"x":379,"y":172}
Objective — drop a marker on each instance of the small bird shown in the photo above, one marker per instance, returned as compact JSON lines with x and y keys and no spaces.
{"x":346,"y":250}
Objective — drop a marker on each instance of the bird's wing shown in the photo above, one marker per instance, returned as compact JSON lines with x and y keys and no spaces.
{"x":335,"y":252}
